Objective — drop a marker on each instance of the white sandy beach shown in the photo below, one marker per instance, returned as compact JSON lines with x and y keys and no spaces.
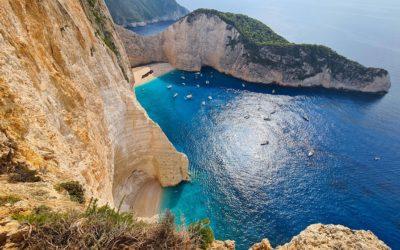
{"x":141,"y":74}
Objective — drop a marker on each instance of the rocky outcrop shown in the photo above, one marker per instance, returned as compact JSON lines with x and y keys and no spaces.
{"x":67,"y":105}
{"x":319,"y":236}
{"x":134,"y":13}
{"x":223,"y":41}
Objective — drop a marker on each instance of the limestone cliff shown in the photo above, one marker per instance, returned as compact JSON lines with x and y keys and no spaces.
{"x":67,"y":108}
{"x":318,"y":236}
{"x":245,"y":48}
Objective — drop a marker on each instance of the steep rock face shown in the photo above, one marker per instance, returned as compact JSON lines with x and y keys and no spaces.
{"x":319,"y":236}
{"x":67,"y":105}
{"x":206,"y":38}
{"x":141,"y":12}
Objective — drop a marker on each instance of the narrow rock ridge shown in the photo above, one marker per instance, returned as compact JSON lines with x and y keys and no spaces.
{"x":203,"y":38}
{"x":319,"y":236}
{"x":67,"y":105}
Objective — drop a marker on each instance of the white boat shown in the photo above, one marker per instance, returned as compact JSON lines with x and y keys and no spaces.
{"x":201,"y":75}
{"x":243,"y":85}
{"x":183,"y":77}
{"x":203,"y":103}
{"x":184,"y":84}
{"x":169,"y":86}
{"x":273,"y":91}
{"x":246,"y":117}
{"x":311,"y":153}
{"x":197,"y":73}
{"x":189,"y":96}
{"x":207,"y":82}
{"x":198,"y":86}
{"x":175,"y":95}
{"x":209,"y":97}
{"x":377,"y":158}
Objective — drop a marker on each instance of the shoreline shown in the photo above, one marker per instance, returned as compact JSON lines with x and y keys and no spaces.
{"x":146,"y":73}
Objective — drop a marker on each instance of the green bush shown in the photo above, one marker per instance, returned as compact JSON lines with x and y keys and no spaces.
{"x":202,"y":230}
{"x":74,"y":189}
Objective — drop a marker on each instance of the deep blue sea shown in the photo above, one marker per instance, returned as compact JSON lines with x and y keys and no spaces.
{"x":251,"y":191}
{"x":151,"y":29}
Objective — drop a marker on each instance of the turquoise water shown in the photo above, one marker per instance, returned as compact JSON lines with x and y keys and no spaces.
{"x":250,"y":191}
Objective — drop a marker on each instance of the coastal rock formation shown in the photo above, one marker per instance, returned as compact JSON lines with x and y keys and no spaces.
{"x":247,"y":49}
{"x":132,"y":13}
{"x":67,"y":108}
{"x":319,"y":236}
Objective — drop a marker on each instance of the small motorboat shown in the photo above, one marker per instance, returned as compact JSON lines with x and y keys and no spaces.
{"x":273,"y":91}
{"x":189,"y":96}
{"x":209,"y":97}
{"x":264,"y":143}
{"x":175,"y":95}
{"x":184,"y":84}
{"x":267,"y":119}
{"x":311,"y":153}
{"x":377,"y":158}
{"x":203,"y":103}
{"x":207,"y":82}
{"x":197,"y":73}
{"x":273,"y":112}
{"x":169,"y":86}
{"x":244,"y":86}
{"x":183,"y":77}
{"x":305,"y":118}
{"x":246,"y":117}
{"x":198,"y":85}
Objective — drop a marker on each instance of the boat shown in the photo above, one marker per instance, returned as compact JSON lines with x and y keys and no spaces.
{"x":305,"y":118}
{"x":175,"y":95}
{"x":311,"y":153}
{"x":197,"y":73}
{"x":169,"y":86}
{"x":264,"y":143}
{"x":243,"y":85}
{"x":267,"y":119}
{"x":189,"y":96}
{"x":273,"y":91}
{"x":246,"y":117}
{"x":203,"y":103}
{"x":273,"y":112}
{"x":210,"y":97}
{"x":183,"y":77}
{"x":207,"y":82}
{"x":198,"y":85}
{"x":377,"y":158}
{"x":183,"y":84}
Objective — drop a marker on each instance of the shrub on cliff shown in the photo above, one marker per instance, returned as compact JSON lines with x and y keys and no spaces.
{"x":103,"y":228}
{"x":74,"y":189}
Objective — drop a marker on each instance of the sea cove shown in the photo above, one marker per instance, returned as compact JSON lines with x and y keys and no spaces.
{"x":251,"y":191}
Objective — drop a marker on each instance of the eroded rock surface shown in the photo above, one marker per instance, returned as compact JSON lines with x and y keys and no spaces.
{"x":204,"y":39}
{"x":67,"y":104}
{"x":319,"y":236}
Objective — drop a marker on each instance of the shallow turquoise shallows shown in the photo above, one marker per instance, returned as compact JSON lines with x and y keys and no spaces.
{"x":250,"y":190}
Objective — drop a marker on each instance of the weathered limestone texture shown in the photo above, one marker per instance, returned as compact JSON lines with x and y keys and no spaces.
{"x":66,"y":103}
{"x":204,"y":39}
